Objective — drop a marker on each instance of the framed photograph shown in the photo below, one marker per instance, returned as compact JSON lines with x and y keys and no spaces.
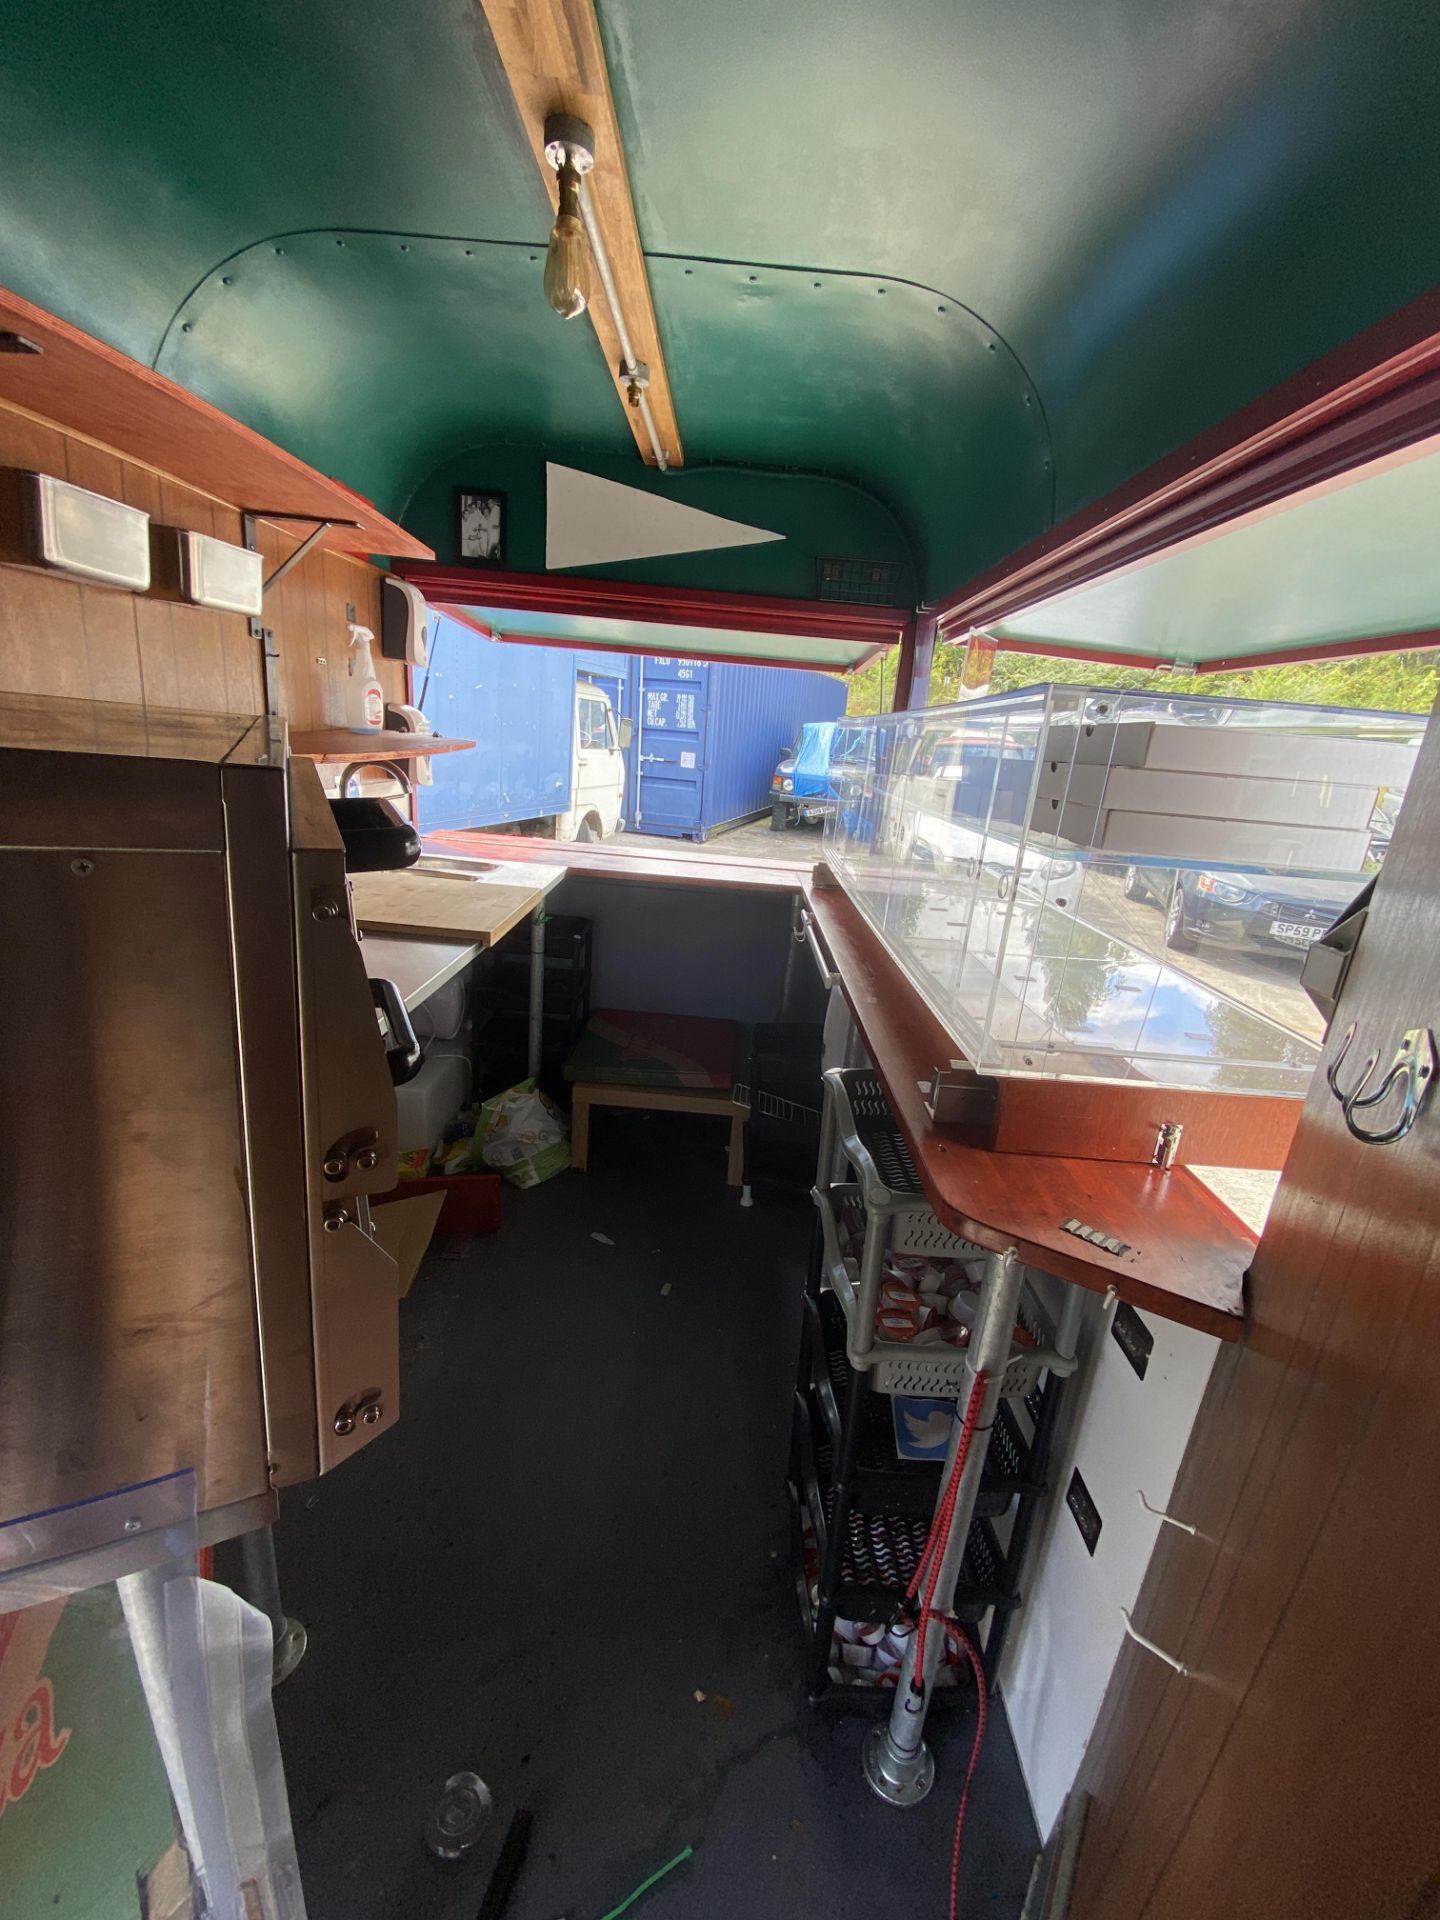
{"x":480,"y":526}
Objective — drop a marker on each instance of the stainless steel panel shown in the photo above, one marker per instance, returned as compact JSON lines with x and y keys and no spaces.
{"x":357,"y":1348}
{"x":265,"y":994}
{"x":349,"y":1098}
{"x":127,"y":1317}
{"x":350,"y":1128}
{"x":90,"y":801}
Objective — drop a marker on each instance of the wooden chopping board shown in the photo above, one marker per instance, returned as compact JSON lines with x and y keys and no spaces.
{"x":448,"y":906}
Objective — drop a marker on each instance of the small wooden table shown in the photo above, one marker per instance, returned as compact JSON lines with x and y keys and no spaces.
{"x":585,"y":1094}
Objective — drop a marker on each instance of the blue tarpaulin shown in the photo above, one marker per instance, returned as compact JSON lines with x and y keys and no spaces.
{"x":812,"y":757}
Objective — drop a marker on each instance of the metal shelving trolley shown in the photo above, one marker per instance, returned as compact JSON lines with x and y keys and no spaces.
{"x":899,"y":1315}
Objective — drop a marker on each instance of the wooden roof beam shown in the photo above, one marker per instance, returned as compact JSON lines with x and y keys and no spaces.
{"x":554,"y":62}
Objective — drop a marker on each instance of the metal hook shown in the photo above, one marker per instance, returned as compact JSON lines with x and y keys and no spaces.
{"x":1150,"y":1646}
{"x":1332,"y":1072}
{"x":1160,"y":1514}
{"x":1414,"y":1065}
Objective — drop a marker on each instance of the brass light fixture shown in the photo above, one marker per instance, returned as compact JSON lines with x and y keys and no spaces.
{"x":570,"y":149}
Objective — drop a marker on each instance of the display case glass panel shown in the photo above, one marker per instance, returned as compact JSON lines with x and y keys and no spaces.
{"x":1091,"y":884}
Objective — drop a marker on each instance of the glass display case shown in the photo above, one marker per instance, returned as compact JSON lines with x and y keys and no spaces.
{"x":1090,"y":884}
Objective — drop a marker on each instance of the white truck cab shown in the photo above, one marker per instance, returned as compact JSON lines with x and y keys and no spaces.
{"x":597,"y":786}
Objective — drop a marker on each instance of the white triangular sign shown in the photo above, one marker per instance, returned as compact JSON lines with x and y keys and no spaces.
{"x":590,"y":521}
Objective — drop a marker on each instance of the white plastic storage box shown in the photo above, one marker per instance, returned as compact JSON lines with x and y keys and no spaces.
{"x":1089,"y":884}
{"x":426,"y":1105}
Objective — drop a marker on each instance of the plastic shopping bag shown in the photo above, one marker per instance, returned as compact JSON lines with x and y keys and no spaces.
{"x":522,"y":1135}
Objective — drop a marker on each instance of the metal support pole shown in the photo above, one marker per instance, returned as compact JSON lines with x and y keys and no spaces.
{"x":897,"y":1763}
{"x":537,"y":992}
{"x":617,"y":315}
{"x":260,"y":1585}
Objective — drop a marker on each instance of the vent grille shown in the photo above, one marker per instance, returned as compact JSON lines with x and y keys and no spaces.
{"x":863,"y":583}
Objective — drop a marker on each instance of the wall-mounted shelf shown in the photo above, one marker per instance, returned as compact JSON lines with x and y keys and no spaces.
{"x":88,"y":388}
{"x":338,"y":746}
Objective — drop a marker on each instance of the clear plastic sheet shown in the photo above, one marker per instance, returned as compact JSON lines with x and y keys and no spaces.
{"x":138,"y":1746}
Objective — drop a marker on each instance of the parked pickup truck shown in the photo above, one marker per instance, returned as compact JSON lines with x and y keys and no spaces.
{"x":800,"y":788}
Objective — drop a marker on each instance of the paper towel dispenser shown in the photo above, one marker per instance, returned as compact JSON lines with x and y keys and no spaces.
{"x":404,"y":623}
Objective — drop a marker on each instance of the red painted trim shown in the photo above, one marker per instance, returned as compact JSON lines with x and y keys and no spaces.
{"x":635,"y":647}
{"x":1374,"y":396}
{"x":636,"y":600}
{"x":1098,"y":656}
{"x":82,"y":385}
{"x":904,"y":669}
{"x":1417,"y":642}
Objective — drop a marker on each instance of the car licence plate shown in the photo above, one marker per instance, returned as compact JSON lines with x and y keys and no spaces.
{"x":1293,"y":931}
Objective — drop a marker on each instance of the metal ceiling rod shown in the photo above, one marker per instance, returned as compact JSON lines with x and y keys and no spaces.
{"x":630,"y":366}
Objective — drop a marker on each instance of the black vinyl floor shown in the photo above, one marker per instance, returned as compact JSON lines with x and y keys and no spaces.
{"x":569,"y":1568}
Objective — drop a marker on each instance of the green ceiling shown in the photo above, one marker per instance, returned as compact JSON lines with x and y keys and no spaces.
{"x":886,"y":387}
{"x":1135,"y":217}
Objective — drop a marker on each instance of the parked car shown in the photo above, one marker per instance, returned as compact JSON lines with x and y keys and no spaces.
{"x":801,"y":789}
{"x":1259,"y":912}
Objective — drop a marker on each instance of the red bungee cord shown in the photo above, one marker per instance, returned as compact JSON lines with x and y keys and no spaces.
{"x":928,"y":1573}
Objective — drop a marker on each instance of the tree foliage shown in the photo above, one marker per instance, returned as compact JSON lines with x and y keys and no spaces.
{"x":1389,"y":682}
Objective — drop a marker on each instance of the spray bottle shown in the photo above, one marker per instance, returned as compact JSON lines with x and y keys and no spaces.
{"x":364,"y":697}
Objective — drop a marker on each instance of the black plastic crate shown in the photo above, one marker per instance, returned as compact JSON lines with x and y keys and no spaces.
{"x":882,"y":1549}
{"x":567,"y":942}
{"x":782,"y":1132}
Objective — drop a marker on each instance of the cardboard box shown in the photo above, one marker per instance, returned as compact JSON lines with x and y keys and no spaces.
{"x":1279,"y":756}
{"x":1099,"y":745}
{"x":1231,"y":842}
{"x":404,"y":1228}
{"x":1242,"y":751}
{"x":1220,"y":796}
{"x":472,"y":1200}
{"x":1060,"y":780}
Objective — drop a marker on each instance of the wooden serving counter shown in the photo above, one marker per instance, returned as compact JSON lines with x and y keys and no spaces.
{"x":1186,"y":1252}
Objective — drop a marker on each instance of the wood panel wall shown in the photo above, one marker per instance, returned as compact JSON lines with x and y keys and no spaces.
{"x":1290,"y":1774}
{"x":63,"y":639}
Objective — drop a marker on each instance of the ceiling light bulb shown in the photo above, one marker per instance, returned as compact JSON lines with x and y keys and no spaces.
{"x":570,"y":150}
{"x":567,"y":263}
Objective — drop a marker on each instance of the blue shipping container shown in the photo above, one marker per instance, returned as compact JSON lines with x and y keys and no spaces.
{"x":707,"y":735}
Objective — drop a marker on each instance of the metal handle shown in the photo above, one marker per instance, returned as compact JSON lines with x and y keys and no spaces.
{"x":403,"y":1053}
{"x":1150,"y":1646}
{"x":1413,"y":1066}
{"x":828,"y":975}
